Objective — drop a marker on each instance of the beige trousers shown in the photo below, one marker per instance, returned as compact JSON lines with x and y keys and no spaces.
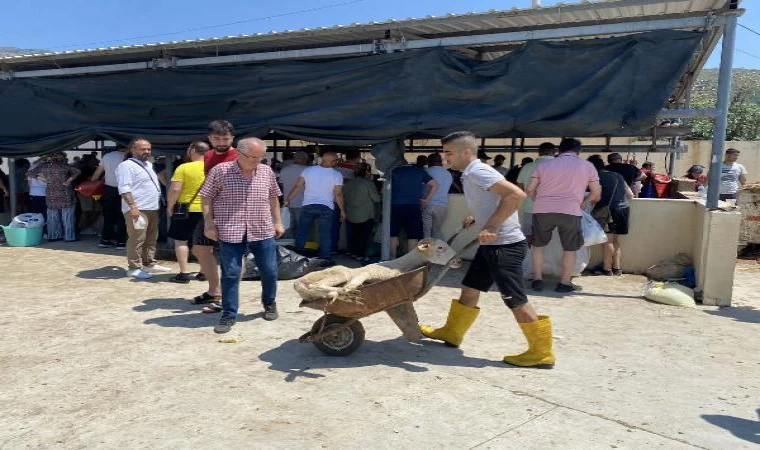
{"x":141,"y":244}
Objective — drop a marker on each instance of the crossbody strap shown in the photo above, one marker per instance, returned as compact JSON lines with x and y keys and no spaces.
{"x":151,"y":178}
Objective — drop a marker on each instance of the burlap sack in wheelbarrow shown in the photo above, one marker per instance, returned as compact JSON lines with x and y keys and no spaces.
{"x":375,"y":297}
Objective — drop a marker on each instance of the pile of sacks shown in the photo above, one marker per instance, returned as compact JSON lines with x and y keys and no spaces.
{"x":672,"y":282}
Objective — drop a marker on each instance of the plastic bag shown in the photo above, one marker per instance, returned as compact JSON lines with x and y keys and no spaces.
{"x":140,"y":223}
{"x":593,"y":234}
{"x":29,"y":220}
{"x":670,"y":294}
{"x":290,"y":265}
{"x":553,"y":253}
{"x":285,"y":215}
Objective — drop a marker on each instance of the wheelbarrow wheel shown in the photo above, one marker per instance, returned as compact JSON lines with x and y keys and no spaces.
{"x":343,"y":341}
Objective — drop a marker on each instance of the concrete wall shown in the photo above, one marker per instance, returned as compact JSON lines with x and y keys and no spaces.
{"x":659,"y":230}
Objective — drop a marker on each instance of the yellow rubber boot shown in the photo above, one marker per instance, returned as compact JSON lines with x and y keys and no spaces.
{"x":460,"y":320}
{"x":539,"y":354}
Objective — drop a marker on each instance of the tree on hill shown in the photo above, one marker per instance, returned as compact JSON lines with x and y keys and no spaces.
{"x":743,"y":112}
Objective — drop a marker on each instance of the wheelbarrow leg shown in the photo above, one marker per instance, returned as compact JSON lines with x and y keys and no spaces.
{"x":405,"y":317}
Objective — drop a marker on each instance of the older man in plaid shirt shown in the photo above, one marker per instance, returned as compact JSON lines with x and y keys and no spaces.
{"x":242,"y":212}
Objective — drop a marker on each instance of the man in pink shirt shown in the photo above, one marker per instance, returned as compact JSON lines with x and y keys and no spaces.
{"x":558,"y":188}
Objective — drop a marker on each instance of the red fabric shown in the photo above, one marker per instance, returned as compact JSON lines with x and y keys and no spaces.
{"x":89,"y":188}
{"x":212,"y":158}
{"x":241,"y":205}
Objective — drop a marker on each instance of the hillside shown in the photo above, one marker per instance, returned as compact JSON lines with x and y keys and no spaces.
{"x":745,"y":80}
{"x":13,"y":51}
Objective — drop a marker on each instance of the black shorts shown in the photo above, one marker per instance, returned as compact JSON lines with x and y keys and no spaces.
{"x":502,"y":264}
{"x":620,"y":219}
{"x":199,"y":238}
{"x":568,"y":226}
{"x":408,"y":217}
{"x":183,"y":229}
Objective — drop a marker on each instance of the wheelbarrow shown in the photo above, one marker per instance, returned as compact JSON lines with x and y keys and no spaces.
{"x":339,"y":332}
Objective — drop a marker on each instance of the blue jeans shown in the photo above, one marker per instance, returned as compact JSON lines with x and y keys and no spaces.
{"x":231,"y":257}
{"x":324,"y":217}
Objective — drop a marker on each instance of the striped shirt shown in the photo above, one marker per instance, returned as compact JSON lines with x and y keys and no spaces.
{"x":241,"y":205}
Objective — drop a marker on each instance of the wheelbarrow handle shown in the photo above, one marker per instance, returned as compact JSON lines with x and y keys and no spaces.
{"x":447,"y":266}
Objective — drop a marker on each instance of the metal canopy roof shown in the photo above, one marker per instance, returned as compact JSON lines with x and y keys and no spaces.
{"x":376,"y":34}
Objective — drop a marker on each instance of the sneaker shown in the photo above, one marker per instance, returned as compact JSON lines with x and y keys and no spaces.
{"x":200,"y":276}
{"x":139,"y":274}
{"x":121,"y":245}
{"x":106,"y":244}
{"x":537,"y":285}
{"x":270,"y":312}
{"x":155,"y":268}
{"x":225,"y":325}
{"x":183,"y":278}
{"x":566,"y":288}
{"x":617,"y":272}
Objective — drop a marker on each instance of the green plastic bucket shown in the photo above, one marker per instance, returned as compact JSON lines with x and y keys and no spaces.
{"x":23,"y":237}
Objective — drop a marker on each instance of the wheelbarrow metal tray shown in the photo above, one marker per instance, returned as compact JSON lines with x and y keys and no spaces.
{"x":376,"y":297}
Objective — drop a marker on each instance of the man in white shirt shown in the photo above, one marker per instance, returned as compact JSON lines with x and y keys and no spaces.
{"x":114,"y":232}
{"x":141,"y":196}
{"x":288,"y":177}
{"x":732,"y":175}
{"x":546,"y":152}
{"x":323,"y":189}
{"x":434,"y":211}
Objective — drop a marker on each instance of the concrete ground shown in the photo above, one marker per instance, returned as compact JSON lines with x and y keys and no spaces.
{"x":93,"y":359}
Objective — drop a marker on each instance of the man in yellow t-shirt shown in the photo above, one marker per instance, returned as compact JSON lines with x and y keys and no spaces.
{"x":186,"y":183}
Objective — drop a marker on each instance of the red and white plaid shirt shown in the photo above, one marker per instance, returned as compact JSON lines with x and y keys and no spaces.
{"x":241,"y":205}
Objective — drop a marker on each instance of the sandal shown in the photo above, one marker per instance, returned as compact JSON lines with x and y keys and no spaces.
{"x":205,"y":298}
{"x":212,"y":308}
{"x":183,"y":278}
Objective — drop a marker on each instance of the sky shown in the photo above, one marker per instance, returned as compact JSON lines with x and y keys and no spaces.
{"x":82,"y":24}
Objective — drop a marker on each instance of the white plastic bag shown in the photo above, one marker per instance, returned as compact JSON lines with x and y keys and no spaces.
{"x":140,"y":223}
{"x":28,"y":220}
{"x":670,"y":293}
{"x":553,"y":259}
{"x":285,"y":215}
{"x":593,"y":233}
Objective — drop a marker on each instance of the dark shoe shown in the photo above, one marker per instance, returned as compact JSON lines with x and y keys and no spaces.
{"x":121,"y":246}
{"x":200,"y":277}
{"x":617,"y":272}
{"x":537,"y":285}
{"x":225,"y":325}
{"x":106,"y":244}
{"x":55,"y":239}
{"x":183,"y":278}
{"x":566,"y":288}
{"x":270,"y":312}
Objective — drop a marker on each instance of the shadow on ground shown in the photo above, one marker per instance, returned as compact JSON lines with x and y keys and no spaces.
{"x":180,"y":318}
{"x":102,"y":273}
{"x":746,"y":314}
{"x":748,"y":430}
{"x":303,"y":360}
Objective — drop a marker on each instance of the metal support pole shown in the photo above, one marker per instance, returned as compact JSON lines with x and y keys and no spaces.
{"x":385,"y":246}
{"x":721,"y":122}
{"x":512,"y":153}
{"x":169,"y":169}
{"x":12,"y":187}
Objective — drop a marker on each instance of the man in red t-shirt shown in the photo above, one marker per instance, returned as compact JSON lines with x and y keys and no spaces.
{"x":221,"y":133}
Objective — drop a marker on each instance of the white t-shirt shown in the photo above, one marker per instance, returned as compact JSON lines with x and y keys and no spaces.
{"x":319,"y":185}
{"x":477,"y":178}
{"x":37,"y":187}
{"x":288,"y":177}
{"x":729,"y":177}
{"x":109,"y":163}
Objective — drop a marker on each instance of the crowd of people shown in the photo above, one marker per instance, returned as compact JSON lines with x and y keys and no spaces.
{"x":222,"y":202}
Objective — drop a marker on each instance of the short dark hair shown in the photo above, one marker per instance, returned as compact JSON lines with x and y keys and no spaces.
{"x":570,"y":145}
{"x":526,"y":160}
{"x":614,"y":157}
{"x":434,"y":159}
{"x":458,"y":135}
{"x":732,"y":150}
{"x":363,"y":170}
{"x":134,"y":141}
{"x":220,"y":127}
{"x":546,"y":147}
{"x":647,"y":164}
{"x":353,"y":153}
{"x":597,"y":161}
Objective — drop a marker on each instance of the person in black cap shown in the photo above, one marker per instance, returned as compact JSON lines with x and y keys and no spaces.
{"x":483,"y":157}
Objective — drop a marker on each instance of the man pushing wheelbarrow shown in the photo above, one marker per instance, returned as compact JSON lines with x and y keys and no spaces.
{"x":342,"y":294}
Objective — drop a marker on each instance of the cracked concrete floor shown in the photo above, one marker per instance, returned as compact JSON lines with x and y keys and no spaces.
{"x":94,"y":360}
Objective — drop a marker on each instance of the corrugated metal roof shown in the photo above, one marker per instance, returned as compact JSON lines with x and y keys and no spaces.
{"x":587,"y":12}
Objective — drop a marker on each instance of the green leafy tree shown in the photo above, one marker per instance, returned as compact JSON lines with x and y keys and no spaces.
{"x":743,"y":116}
